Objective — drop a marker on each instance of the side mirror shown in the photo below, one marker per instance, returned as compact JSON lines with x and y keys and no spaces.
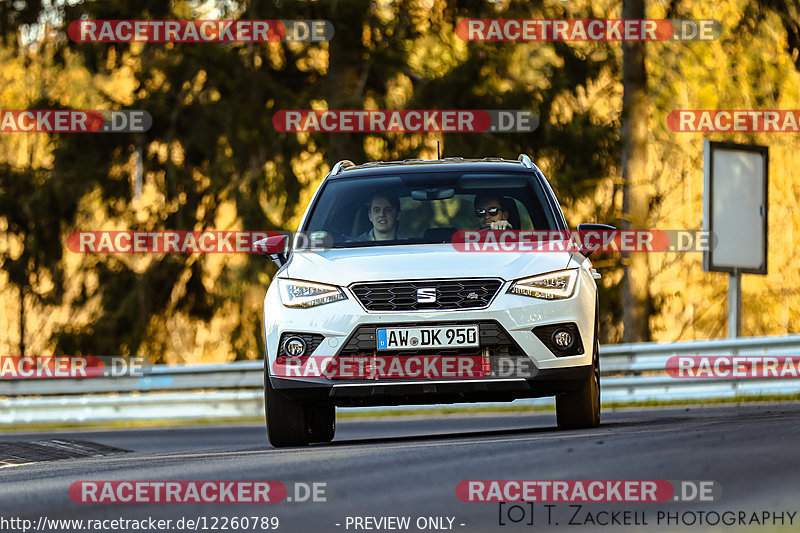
{"x":273,"y":247}
{"x":593,"y":236}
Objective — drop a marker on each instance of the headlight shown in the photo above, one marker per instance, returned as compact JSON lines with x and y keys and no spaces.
{"x":552,"y":286}
{"x":307,"y":294}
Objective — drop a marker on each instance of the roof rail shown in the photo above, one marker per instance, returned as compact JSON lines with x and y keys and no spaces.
{"x":338,"y":167}
{"x":525,"y":160}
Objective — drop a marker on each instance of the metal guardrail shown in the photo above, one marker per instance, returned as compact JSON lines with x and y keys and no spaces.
{"x":630,"y":372}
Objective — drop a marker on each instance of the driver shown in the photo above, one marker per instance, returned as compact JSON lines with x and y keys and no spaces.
{"x":490,"y":213}
{"x":384,"y":213}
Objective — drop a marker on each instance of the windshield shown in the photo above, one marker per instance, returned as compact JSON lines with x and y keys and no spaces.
{"x":426,"y":208}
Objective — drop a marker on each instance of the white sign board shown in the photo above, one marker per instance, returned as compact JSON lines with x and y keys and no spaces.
{"x":735,"y":207}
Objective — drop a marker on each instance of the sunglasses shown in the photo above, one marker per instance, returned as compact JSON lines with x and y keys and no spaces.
{"x":480,"y":213}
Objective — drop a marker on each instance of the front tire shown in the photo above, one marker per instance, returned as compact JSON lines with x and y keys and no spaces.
{"x":292,"y":423}
{"x":580,"y":409}
{"x":286,"y":420}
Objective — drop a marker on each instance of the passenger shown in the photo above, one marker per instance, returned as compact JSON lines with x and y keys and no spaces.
{"x":490,"y":212}
{"x":384,"y":213}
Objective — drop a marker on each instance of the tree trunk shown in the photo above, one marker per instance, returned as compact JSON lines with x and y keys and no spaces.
{"x":22,"y":321}
{"x":635,"y":178}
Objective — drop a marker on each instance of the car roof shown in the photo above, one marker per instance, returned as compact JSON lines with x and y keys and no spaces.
{"x":347,"y":169}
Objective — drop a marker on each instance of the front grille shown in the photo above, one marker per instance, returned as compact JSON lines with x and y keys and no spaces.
{"x":448,"y":294}
{"x":499,"y":355}
{"x":491,"y":335}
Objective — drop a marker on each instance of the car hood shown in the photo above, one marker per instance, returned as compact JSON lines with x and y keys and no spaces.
{"x":424,"y":261}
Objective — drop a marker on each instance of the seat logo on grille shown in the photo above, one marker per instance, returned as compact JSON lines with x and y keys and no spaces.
{"x":426,"y":295}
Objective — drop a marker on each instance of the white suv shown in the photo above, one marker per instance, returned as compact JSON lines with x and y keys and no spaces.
{"x":395,"y":309}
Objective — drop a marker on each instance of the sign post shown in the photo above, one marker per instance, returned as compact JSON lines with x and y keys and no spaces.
{"x":735,"y":304}
{"x":735,"y":178}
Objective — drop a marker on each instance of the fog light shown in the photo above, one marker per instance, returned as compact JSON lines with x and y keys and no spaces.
{"x":562,"y":339}
{"x":294,"y":346}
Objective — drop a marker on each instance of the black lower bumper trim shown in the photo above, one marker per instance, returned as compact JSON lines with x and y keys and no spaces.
{"x":547,"y":382}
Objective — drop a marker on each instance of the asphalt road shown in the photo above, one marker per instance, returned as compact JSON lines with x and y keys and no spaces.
{"x":410,"y":467}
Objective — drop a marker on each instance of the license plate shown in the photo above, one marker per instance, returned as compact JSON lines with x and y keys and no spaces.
{"x":430,"y":337}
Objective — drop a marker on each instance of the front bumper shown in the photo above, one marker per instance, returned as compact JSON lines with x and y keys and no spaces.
{"x":516,"y":316}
